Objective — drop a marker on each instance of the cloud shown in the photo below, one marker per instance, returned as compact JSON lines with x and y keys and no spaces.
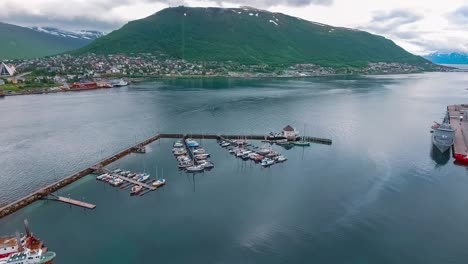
{"x":109,"y":14}
{"x":392,"y":21}
{"x":292,"y":3}
{"x":459,"y":16}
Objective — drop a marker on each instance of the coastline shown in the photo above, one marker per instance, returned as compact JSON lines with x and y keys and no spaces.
{"x":224,"y":76}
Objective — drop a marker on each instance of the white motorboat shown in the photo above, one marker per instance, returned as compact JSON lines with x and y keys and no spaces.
{"x":267,"y":162}
{"x":281,"y":158}
{"x":201,"y":156}
{"x":195,"y":168}
{"x":159,"y":183}
{"x":199,"y":151}
{"x":102,"y":176}
{"x":143,"y":177}
{"x":207,"y":165}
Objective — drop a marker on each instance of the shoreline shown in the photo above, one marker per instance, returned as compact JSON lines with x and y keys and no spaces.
{"x":195,"y":77}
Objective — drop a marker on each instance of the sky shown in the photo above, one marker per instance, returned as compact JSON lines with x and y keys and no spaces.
{"x":419,"y":26}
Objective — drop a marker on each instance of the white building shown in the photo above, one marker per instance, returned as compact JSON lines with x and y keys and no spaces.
{"x":6,"y":70}
{"x":289,"y":132}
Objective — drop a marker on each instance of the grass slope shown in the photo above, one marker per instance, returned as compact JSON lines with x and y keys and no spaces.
{"x":249,"y":37}
{"x":21,"y":43}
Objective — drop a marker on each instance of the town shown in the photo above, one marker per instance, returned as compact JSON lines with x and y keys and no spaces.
{"x":72,"y":73}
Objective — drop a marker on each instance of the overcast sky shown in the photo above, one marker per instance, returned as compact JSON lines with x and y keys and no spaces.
{"x":420,"y":26}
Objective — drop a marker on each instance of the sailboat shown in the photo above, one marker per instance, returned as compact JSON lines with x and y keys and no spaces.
{"x":302,"y":142}
{"x":159,"y":182}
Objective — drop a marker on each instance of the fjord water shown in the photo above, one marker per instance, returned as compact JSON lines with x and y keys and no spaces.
{"x":379,"y":194}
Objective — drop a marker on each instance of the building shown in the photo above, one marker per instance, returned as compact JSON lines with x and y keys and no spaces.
{"x":2,"y":82}
{"x":6,"y":70}
{"x":289,"y":132}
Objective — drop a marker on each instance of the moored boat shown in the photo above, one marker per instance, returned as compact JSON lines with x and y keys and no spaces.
{"x":159,"y":183}
{"x":301,"y":143}
{"x":207,"y":164}
{"x":199,"y":151}
{"x":178,"y":144}
{"x":195,"y":168}
{"x":143,"y":177}
{"x":201,"y":156}
{"x":191,"y":143}
{"x":136,"y":189}
{"x":281,"y":158}
{"x":267,"y":162}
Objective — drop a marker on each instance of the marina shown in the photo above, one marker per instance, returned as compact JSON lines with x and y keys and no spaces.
{"x":143,"y":188}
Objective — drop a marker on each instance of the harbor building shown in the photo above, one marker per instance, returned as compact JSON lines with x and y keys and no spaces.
{"x":289,"y":132}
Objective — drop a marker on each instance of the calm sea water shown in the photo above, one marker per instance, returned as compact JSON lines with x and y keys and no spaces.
{"x":379,"y":194}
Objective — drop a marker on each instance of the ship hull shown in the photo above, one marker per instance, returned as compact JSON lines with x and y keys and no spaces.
{"x":442,"y":147}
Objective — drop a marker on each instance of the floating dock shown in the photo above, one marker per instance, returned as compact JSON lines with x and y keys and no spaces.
{"x":460,"y":145}
{"x":73,"y":202}
{"x":130,"y":180}
{"x":43,"y":192}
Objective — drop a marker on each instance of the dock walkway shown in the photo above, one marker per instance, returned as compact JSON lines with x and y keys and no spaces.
{"x":460,"y":145}
{"x":130,"y":180}
{"x":73,"y":202}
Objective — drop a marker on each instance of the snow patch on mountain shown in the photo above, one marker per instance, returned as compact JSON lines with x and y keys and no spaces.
{"x":77,"y":34}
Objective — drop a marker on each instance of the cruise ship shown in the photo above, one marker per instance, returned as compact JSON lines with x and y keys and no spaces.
{"x":444,"y":135}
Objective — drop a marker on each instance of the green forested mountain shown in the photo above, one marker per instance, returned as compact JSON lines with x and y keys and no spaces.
{"x":248,"y":36}
{"x":20,"y":43}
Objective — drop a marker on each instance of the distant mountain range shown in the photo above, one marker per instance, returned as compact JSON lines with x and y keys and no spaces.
{"x":20,"y":42}
{"x":448,"y":58}
{"x":249,"y":36}
{"x":89,"y":35}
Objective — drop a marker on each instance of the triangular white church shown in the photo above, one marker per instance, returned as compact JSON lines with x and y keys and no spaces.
{"x":6,"y":70}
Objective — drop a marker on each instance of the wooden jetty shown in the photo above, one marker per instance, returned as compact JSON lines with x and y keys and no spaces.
{"x":43,"y":192}
{"x":460,"y":145}
{"x":135,"y":182}
{"x":73,"y":202}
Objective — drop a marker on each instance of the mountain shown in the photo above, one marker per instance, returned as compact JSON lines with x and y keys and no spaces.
{"x":88,"y":35}
{"x":448,"y":58}
{"x":20,"y":43}
{"x":248,"y":36}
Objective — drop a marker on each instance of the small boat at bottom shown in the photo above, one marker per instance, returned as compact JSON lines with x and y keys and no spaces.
{"x":195,"y":168}
{"x":136,"y":189}
{"x":159,"y":183}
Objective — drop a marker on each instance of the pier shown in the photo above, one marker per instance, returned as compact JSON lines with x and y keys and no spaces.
{"x":73,"y":202}
{"x":43,"y":192}
{"x":130,"y":180}
{"x":460,"y":145}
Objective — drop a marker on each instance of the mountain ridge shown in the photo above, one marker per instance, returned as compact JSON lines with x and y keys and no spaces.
{"x":453,"y":57}
{"x":22,"y":43}
{"x":249,"y":36}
